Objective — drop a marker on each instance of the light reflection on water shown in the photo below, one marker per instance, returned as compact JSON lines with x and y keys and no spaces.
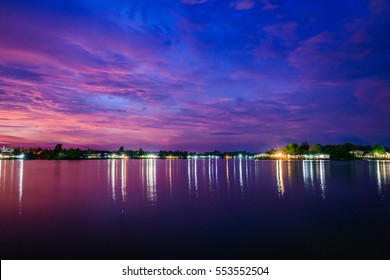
{"x":151,"y":192}
{"x":382,"y":175}
{"x":170,"y":176}
{"x":21,"y":169}
{"x":10,"y":173}
{"x":279,"y":178}
{"x":314,"y":176}
{"x":113,"y":164}
{"x":123,"y":179}
{"x":193,"y":179}
{"x":187,"y":205}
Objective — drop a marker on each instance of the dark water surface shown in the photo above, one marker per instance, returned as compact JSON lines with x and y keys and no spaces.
{"x":194,"y":209}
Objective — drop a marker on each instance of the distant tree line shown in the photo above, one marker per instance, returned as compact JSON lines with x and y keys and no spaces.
{"x":336,"y":152}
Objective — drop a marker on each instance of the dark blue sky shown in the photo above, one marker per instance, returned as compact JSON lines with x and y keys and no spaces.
{"x":194,"y":74}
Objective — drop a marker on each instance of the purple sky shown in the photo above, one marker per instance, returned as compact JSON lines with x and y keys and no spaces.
{"x":194,"y":74}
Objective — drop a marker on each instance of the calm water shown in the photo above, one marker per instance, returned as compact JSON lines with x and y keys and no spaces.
{"x":194,"y":209}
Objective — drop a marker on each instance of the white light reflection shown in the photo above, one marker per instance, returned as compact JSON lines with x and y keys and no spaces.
{"x":123,"y":179}
{"x":151,"y":192}
{"x":382,"y":175}
{"x":216,"y":179}
{"x":314,"y":176}
{"x":246,"y":172}
{"x":21,"y":171}
{"x":240,"y":176}
{"x":308,"y":175}
{"x":234,"y":170}
{"x":189,"y":175}
{"x":322,"y":179}
{"x":196,"y":177}
{"x":113,"y":178}
{"x":1,"y":172}
{"x":216,"y":172}
{"x":378,"y":176}
{"x":279,"y":178}
{"x":210,"y":176}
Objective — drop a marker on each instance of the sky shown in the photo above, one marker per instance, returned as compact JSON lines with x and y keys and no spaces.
{"x":195,"y":75}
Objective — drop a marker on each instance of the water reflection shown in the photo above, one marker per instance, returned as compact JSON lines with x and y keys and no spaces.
{"x":196,"y":177}
{"x":189,"y":175}
{"x":314,"y":176}
{"x":240,"y":175}
{"x":246,"y":170}
{"x":117,"y":178}
{"x":382,"y":176}
{"x":227,"y":175}
{"x":123,"y":179}
{"x":322,"y":179}
{"x":21,"y":171}
{"x":210,"y":176}
{"x":11,"y":180}
{"x":112,"y":163}
{"x":170,"y":176}
{"x":1,"y":174}
{"x":216,"y":173}
{"x":151,"y":193}
{"x":192,"y":173}
{"x":279,"y":178}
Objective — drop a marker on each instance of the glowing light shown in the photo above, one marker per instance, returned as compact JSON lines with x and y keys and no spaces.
{"x":150,"y":156}
{"x":21,"y":156}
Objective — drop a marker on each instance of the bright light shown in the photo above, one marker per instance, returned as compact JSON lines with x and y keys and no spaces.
{"x":151,"y":156}
{"x":240,"y":156}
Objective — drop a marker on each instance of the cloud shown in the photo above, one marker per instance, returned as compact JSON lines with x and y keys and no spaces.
{"x":267,"y":5}
{"x":243,"y":4}
{"x":20,"y":73}
{"x":193,"y":2}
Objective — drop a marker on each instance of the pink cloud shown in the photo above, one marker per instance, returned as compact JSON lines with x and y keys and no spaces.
{"x":267,"y":5}
{"x":375,"y":93}
{"x":319,"y":58}
{"x":243,"y":4}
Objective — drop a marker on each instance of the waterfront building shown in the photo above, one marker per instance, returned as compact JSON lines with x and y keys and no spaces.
{"x":93,"y":156}
{"x":262,"y":156}
{"x":7,"y":153}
